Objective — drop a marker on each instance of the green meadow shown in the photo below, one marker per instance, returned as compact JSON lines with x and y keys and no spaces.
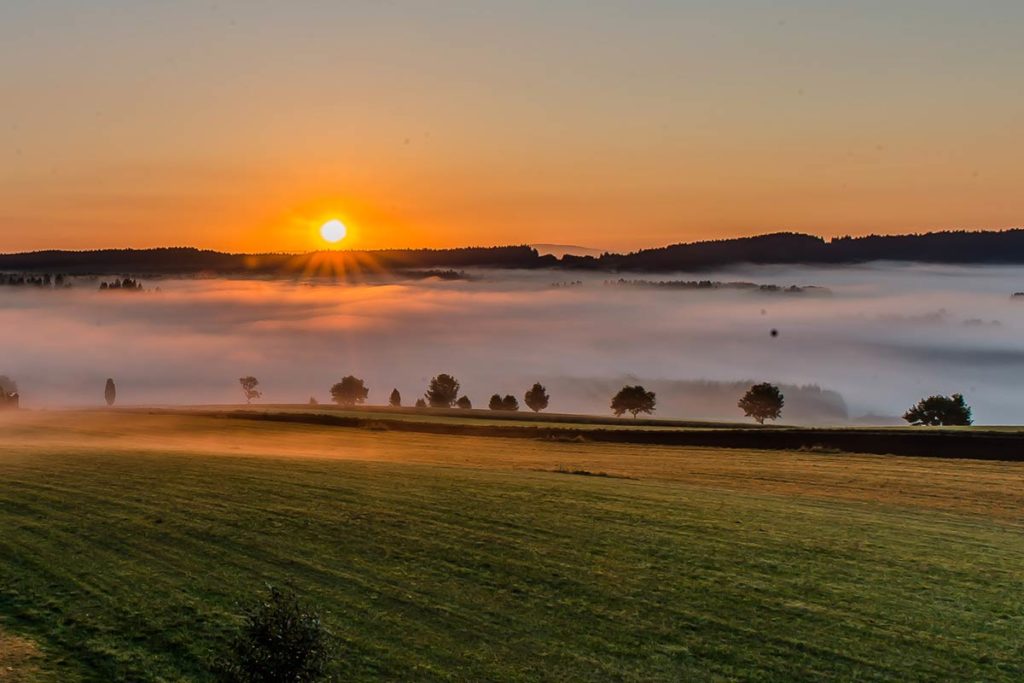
{"x":129,"y":542}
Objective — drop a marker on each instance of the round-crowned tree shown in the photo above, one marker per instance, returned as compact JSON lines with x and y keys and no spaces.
{"x":762,"y":402}
{"x":349,"y":391}
{"x":464,"y":403}
{"x":633,"y":399}
{"x":509,"y":403}
{"x":935,"y":411}
{"x":250,"y":388}
{"x":537,"y":398}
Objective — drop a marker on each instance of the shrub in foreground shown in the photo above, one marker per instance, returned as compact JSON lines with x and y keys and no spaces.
{"x":280,"y":640}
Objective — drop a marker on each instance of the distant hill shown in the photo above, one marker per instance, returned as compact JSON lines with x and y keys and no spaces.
{"x":954,"y":247}
{"x":560,"y":250}
{"x":959,"y":247}
{"x":187,"y":261}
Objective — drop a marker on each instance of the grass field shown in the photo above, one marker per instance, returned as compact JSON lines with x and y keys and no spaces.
{"x":127,"y":541}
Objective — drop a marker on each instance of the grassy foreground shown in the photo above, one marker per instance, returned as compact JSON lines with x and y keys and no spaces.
{"x":126,"y":542}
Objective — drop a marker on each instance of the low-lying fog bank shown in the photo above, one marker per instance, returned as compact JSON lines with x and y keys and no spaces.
{"x":886,"y":336}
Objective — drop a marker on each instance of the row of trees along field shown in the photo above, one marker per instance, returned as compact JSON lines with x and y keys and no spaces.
{"x":761,"y":402}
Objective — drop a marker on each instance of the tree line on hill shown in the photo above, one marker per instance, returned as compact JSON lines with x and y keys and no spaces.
{"x":954,"y":247}
{"x":42,"y":280}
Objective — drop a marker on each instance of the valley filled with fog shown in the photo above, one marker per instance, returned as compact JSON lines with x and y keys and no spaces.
{"x":872,"y":342}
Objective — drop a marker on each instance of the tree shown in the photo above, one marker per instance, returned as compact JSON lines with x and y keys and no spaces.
{"x":110,"y":392}
{"x":7,"y":386}
{"x":8,"y":393}
{"x":420,"y":403}
{"x":762,"y":402}
{"x":443,"y":391}
{"x":349,"y":391}
{"x":509,"y":403}
{"x":280,"y":640}
{"x":536,"y":398}
{"x":249,"y":385}
{"x":495,"y":403}
{"x":633,"y":400}
{"x":395,"y":401}
{"x":464,"y":403}
{"x":947,"y":411}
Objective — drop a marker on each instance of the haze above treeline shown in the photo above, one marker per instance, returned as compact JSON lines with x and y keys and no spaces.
{"x":948,"y":247}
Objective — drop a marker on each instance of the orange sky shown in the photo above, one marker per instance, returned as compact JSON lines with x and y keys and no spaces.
{"x":244,"y":126}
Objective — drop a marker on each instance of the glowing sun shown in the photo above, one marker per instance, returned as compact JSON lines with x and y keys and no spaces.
{"x":333,"y":231}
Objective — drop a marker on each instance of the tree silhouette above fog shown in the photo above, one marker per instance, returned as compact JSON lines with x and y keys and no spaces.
{"x":508,"y":403}
{"x":420,"y":403}
{"x":762,"y":402}
{"x":110,"y":392}
{"x":536,"y":398}
{"x":442,"y":392}
{"x":633,"y":399}
{"x":464,"y":403}
{"x":395,"y":400}
{"x":349,"y":391}
{"x":249,"y":388}
{"x":9,"y":397}
{"x":944,"y":411}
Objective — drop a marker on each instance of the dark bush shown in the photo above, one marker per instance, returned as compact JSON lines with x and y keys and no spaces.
{"x":935,"y":411}
{"x":280,"y":640}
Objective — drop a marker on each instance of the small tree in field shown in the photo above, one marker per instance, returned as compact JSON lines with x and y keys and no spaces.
{"x":249,"y":388}
{"x":280,"y":640}
{"x":935,"y":411}
{"x":349,"y":391}
{"x":395,"y":400}
{"x":633,"y":400}
{"x":495,"y":403}
{"x":536,"y":398}
{"x":509,"y":403}
{"x":443,"y":391}
{"x":464,"y":403}
{"x":110,"y":392}
{"x":8,"y":393}
{"x":762,"y":402}
{"x":420,"y":403}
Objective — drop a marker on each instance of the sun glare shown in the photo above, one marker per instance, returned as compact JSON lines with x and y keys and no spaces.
{"x":333,"y":231}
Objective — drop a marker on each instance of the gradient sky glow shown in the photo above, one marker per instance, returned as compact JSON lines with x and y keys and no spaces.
{"x":244,"y":125}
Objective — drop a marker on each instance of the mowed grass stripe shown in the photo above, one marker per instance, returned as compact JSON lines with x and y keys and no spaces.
{"x":440,"y":572}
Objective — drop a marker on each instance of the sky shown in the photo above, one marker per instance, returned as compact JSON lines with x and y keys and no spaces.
{"x":243,"y":126}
